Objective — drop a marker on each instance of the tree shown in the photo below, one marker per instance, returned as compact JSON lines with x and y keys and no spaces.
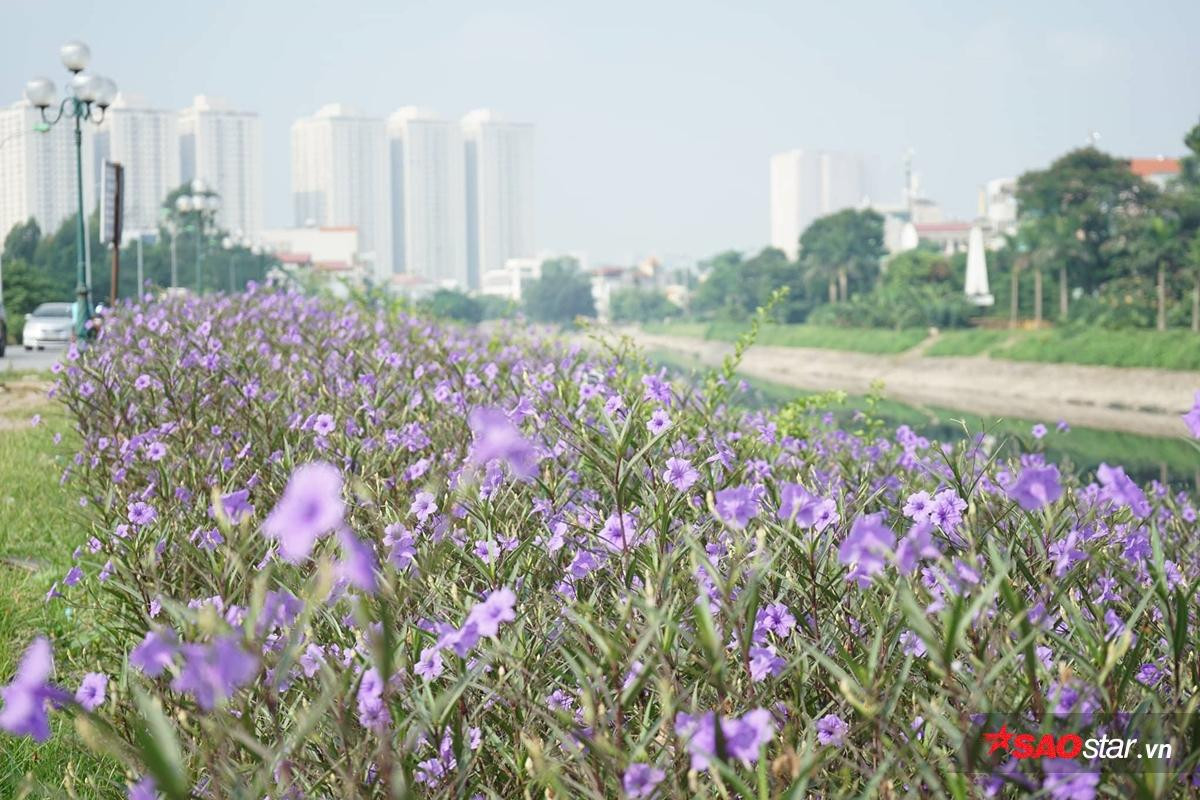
{"x":1072,"y":209}
{"x":919,"y":267}
{"x":561,"y":294}
{"x":843,"y":251}
{"x":450,"y":304}
{"x":22,"y":241}
{"x":733,"y":287}
{"x":641,"y":305}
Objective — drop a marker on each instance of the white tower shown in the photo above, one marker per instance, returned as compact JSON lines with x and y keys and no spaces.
{"x":977,"y":290}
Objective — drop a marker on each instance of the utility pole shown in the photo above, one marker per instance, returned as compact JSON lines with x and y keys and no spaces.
{"x":141,"y":279}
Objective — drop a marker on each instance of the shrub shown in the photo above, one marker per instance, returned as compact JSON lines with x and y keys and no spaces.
{"x":342,"y":552}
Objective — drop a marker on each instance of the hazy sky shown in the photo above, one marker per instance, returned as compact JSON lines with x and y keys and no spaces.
{"x":655,"y":120}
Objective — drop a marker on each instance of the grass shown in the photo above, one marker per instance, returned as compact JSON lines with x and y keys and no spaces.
{"x":39,"y":530}
{"x":859,"y":340}
{"x":1173,"y":349}
{"x":966,"y":343}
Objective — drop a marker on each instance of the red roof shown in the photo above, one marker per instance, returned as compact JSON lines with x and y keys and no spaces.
{"x":1154,"y":166}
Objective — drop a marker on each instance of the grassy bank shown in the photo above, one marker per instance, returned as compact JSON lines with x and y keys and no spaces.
{"x":1173,"y":349}
{"x":38,"y":533}
{"x":860,"y":340}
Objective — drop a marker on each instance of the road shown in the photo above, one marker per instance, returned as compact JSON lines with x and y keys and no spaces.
{"x":18,"y":359}
{"x":1143,"y":401}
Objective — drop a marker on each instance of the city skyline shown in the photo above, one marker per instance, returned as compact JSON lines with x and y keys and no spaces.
{"x":660,"y":149}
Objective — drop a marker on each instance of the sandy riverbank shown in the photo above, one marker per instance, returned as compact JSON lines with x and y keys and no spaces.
{"x":1144,"y":401}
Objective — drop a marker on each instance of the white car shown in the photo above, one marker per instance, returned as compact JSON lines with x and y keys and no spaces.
{"x":49,"y":324}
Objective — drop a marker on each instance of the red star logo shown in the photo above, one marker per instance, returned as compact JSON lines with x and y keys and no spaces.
{"x":999,"y":740}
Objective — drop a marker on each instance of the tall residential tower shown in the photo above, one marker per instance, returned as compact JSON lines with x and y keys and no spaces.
{"x":499,"y":202}
{"x":340,"y":177}
{"x":223,"y":148}
{"x":145,"y":141}
{"x":428,"y":189}
{"x":37,"y":171}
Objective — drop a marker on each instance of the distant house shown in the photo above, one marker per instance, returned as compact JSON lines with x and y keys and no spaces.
{"x":1157,"y":170}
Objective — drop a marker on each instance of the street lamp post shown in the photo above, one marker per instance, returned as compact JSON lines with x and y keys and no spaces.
{"x":233,"y":244}
{"x":90,"y":96}
{"x":204,"y":204}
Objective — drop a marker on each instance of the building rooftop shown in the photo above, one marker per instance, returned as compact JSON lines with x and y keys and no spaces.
{"x":1154,"y":166}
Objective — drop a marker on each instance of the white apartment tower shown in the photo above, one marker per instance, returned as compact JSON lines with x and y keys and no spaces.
{"x":37,"y":171}
{"x":341,"y":177}
{"x":223,"y":148}
{"x":499,"y":179}
{"x":807,"y":184}
{"x":145,"y":141}
{"x":428,"y":188}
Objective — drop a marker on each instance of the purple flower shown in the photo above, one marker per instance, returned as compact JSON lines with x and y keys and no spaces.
{"x":1036,"y":487}
{"x":311,"y":507}
{"x":1066,"y":781}
{"x":764,"y":663}
{"x":775,"y":618}
{"x":737,"y":505}
{"x":24,"y":712}
{"x":430,"y":664}
{"x":213,"y":672}
{"x":866,"y":548}
{"x":497,"y":607}
{"x":144,"y":789}
{"x":919,"y":506}
{"x":1038,"y":431}
{"x":496,"y":437}
{"x":680,"y":474}
{"x":142,"y":513}
{"x":832,"y":730}
{"x":424,"y":506}
{"x":235,"y":505}
{"x":1192,"y":418}
{"x":916,"y":547}
{"x":743,"y":737}
{"x":798,"y":505}
{"x":323,"y":425}
{"x":73,"y":576}
{"x":90,"y":693}
{"x":659,"y":421}
{"x":155,"y":652}
{"x":372,"y":711}
{"x":620,"y":532}
{"x":1121,"y":489}
{"x":641,"y":779}
{"x":358,"y":562}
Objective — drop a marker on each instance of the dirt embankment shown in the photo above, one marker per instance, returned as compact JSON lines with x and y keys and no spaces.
{"x":1144,"y":401}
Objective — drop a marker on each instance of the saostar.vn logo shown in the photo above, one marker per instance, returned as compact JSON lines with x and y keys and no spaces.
{"x":1071,"y":745}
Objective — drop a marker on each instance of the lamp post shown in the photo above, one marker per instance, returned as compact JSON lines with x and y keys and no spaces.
{"x":201,"y":205}
{"x":90,"y":96}
{"x":234,"y":243}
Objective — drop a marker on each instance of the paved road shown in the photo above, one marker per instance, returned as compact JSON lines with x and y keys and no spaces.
{"x":18,"y":359}
{"x":1145,"y":401}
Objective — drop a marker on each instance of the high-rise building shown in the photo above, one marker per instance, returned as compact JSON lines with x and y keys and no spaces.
{"x":499,"y":172}
{"x":223,"y":148}
{"x":37,"y":171}
{"x":806,"y":184}
{"x":145,"y":141}
{"x":428,"y":188}
{"x":340,"y":177}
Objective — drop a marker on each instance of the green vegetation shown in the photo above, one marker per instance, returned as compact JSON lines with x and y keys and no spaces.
{"x":633,"y":304}
{"x":967,"y":343}
{"x":859,"y":340}
{"x":38,"y":533}
{"x":1171,"y":349}
{"x":561,"y":294}
{"x":39,"y":266}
